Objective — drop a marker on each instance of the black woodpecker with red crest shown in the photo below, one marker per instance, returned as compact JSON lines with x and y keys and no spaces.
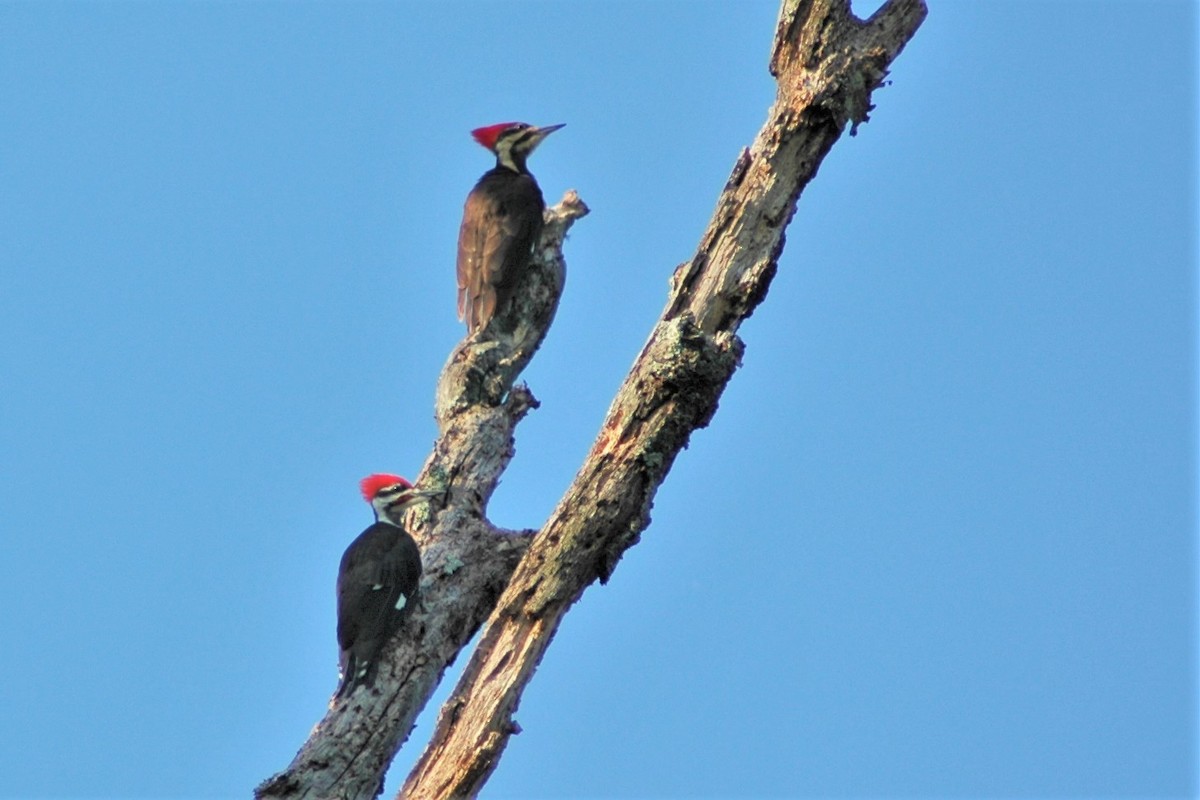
{"x":502,"y":220}
{"x":377,"y":580}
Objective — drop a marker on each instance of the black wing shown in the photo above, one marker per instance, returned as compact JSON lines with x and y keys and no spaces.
{"x":377,"y":584}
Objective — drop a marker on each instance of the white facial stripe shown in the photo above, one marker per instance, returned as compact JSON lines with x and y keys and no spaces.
{"x":504,"y":154}
{"x":391,"y":493}
{"x":523,"y":141}
{"x":392,"y":509}
{"x":401,"y":603}
{"x":377,"y":587}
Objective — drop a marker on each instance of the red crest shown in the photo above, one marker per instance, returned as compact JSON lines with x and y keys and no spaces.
{"x":371,"y":484}
{"x":488,"y":135}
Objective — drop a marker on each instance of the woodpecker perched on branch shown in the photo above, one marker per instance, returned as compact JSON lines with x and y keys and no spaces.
{"x":502,"y":220}
{"x":377,"y":580}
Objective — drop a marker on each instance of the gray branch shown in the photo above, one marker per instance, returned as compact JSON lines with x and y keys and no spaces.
{"x":467,"y":561}
{"x":827,"y":63}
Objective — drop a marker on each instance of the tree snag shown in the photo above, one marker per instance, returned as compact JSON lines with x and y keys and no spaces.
{"x":826,"y":63}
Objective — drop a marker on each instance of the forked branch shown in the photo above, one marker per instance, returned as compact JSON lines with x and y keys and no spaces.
{"x":466,"y":561}
{"x":827,"y":64}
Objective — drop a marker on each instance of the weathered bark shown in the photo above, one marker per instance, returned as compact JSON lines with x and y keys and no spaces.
{"x":467,"y":561}
{"x":827,"y":63}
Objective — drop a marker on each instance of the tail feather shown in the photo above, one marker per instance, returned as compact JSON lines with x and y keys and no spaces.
{"x":355,"y":674}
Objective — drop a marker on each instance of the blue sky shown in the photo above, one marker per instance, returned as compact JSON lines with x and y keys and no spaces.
{"x":939,"y":540}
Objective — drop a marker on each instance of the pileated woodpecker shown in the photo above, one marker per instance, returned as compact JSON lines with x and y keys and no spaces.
{"x":502,"y":220}
{"x":377,"y":580}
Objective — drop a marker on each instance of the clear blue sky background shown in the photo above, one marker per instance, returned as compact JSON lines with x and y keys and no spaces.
{"x":938,"y":541}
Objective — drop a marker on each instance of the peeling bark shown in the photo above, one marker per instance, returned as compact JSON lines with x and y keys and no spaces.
{"x":826,"y":63}
{"x":467,"y":562}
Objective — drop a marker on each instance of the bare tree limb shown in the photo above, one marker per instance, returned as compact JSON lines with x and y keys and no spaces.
{"x":467,"y":561}
{"x":827,"y":63}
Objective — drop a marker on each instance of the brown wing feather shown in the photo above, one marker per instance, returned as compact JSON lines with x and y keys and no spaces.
{"x":500,"y":224}
{"x":474,"y":291}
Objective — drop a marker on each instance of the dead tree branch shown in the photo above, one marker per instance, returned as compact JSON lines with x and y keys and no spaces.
{"x":467,"y":561}
{"x":827,"y":63}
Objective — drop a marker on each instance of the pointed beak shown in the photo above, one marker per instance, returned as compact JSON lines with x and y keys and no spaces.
{"x":545,"y":131}
{"x":417,"y":494}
